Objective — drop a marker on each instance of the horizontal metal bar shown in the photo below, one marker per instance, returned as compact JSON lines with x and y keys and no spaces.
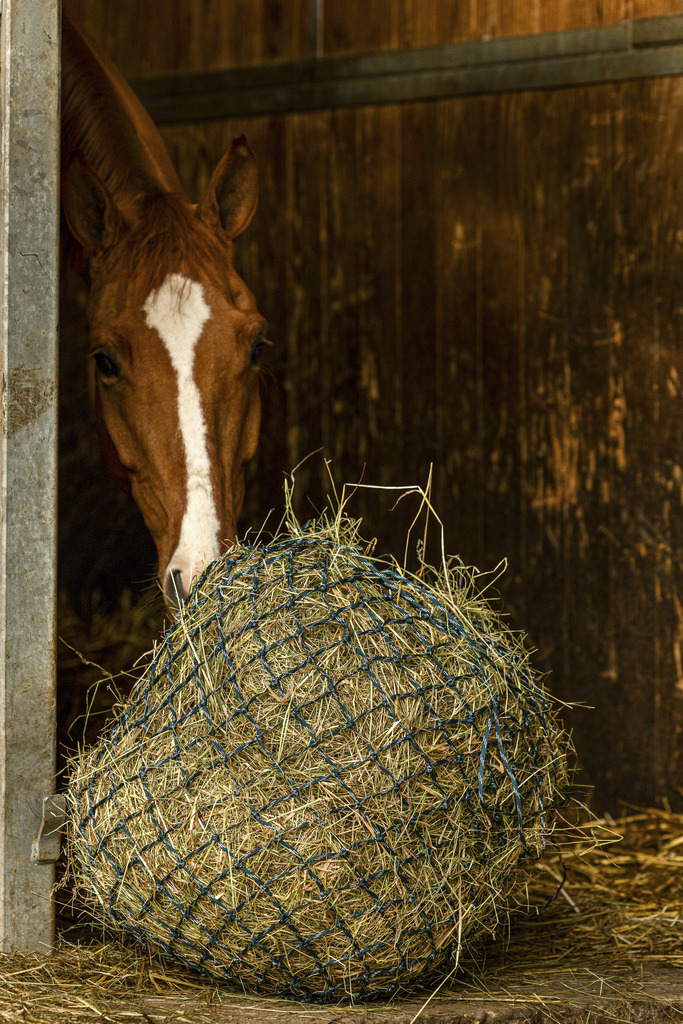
{"x":663,"y":31}
{"x":643,"y":48}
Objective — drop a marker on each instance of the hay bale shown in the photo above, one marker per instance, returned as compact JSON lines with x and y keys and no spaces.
{"x":325,"y":779}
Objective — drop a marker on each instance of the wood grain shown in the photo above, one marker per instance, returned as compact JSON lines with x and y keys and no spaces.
{"x":490,"y":286}
{"x":353,"y":26}
{"x":198,"y":35}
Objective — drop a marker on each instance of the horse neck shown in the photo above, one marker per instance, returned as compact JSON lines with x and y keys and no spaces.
{"x":102,"y":117}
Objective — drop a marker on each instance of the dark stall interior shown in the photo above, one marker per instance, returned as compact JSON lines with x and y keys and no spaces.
{"x":470,"y":263}
{"x":485,"y":287}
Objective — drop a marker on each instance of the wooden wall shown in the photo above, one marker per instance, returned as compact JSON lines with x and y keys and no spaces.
{"x":199,"y":35}
{"x":490,"y":285}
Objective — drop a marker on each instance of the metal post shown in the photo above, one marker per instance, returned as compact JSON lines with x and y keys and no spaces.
{"x":29,"y":197}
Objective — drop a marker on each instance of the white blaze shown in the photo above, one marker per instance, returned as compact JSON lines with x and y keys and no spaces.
{"x":178,"y":311}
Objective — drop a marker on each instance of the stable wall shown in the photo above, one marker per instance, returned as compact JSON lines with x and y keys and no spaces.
{"x":196,"y":35}
{"x":490,"y":285}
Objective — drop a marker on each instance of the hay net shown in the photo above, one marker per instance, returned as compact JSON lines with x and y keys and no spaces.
{"x":324,"y":780}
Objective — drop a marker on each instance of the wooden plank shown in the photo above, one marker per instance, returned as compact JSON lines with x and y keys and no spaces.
{"x":409,"y":23}
{"x":365,"y":303}
{"x":190,"y":36}
{"x":353,"y":26}
{"x":457,"y":465}
{"x":652,"y":8}
{"x":645,"y":431}
{"x":551,"y":60}
{"x":337,"y":364}
{"x":28,"y":429}
{"x":306,"y":264}
{"x":573,"y":611}
{"x":263,"y":263}
{"x":540,"y":567}
{"x":417,"y":353}
{"x":575,"y":997}
{"x":502,"y":263}
{"x":378,"y":209}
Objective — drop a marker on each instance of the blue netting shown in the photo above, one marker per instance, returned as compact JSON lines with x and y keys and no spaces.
{"x":324,"y":781}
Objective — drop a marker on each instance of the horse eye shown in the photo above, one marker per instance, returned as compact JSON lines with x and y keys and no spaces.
{"x":107,"y":364}
{"x":257,"y":346}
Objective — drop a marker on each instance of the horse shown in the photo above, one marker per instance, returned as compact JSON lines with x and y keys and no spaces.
{"x":174,"y":332}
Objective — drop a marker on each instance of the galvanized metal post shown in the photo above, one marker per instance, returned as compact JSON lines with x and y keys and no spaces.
{"x":29,"y":225}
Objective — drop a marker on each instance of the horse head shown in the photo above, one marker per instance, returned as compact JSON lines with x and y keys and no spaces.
{"x":176,"y":338}
{"x":175,"y":334}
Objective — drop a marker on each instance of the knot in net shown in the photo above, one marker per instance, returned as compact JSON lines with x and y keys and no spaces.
{"x":325,"y":779}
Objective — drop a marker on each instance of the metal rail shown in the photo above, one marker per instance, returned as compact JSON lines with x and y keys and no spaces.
{"x":29,"y":202}
{"x":642,"y":48}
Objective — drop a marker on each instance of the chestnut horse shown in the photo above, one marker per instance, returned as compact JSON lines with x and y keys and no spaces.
{"x":174,"y":332}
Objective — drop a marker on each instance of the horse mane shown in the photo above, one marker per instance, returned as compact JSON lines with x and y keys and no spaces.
{"x":168,"y":233}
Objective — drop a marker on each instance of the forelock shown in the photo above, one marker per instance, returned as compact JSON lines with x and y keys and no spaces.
{"x":169,"y":237}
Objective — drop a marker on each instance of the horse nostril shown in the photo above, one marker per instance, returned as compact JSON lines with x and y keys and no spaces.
{"x":175,"y":591}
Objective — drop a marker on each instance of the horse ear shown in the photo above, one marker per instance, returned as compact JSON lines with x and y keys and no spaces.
{"x":231,"y":198}
{"x":90,"y":212}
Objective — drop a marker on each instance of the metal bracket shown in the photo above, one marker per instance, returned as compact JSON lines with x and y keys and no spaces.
{"x":46,"y":848}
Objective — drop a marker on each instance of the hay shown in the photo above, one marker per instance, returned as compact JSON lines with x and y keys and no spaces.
{"x":100,"y":983}
{"x":620,"y":927}
{"x":619,"y":909}
{"x":95,"y":665}
{"x":325,"y":780}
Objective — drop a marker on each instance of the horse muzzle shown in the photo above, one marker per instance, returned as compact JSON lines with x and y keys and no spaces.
{"x":181,"y":573}
{"x":175,"y":592}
